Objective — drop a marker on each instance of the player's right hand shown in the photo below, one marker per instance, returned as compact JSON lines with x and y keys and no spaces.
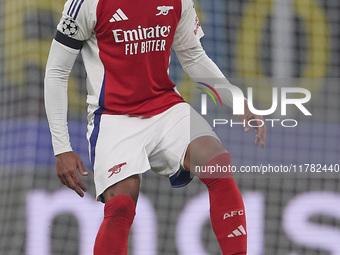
{"x":67,"y":165}
{"x":260,"y":128}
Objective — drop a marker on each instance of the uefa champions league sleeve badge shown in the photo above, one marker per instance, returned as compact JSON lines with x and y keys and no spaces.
{"x":69,"y":27}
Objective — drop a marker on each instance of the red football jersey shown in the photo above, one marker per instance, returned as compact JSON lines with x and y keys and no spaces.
{"x":126,"y":46}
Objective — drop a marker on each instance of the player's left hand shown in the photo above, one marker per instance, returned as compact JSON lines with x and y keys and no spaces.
{"x":261,"y":130}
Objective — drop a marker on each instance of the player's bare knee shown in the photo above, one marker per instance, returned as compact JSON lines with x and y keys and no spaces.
{"x":202,"y":150}
{"x":110,"y":194}
{"x":128,"y":186}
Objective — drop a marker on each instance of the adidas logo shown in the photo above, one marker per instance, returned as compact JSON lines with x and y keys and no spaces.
{"x":238,"y":232}
{"x":118,"y":16}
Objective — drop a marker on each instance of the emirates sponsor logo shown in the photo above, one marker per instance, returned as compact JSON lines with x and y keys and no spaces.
{"x":141,"y":33}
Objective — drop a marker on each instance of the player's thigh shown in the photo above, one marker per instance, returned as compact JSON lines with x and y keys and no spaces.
{"x":118,"y":153}
{"x":201,"y":150}
{"x":129,"y":186}
{"x":189,"y":134}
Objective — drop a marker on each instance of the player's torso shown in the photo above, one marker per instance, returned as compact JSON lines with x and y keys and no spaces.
{"x":135,"y":27}
{"x":134,"y":38}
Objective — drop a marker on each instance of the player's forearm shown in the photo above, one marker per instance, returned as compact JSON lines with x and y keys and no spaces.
{"x":58,"y":68}
{"x":201,"y":68}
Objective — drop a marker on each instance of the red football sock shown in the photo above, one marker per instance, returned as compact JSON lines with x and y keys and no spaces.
{"x":112,"y":237}
{"x":226,"y":208}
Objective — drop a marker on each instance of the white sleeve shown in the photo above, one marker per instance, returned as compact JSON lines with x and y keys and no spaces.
{"x":201,"y":68}
{"x":77,"y":22}
{"x":189,"y":31}
{"x":59,"y":65}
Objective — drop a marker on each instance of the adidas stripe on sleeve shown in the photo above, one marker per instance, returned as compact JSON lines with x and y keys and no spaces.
{"x":77,"y":23}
